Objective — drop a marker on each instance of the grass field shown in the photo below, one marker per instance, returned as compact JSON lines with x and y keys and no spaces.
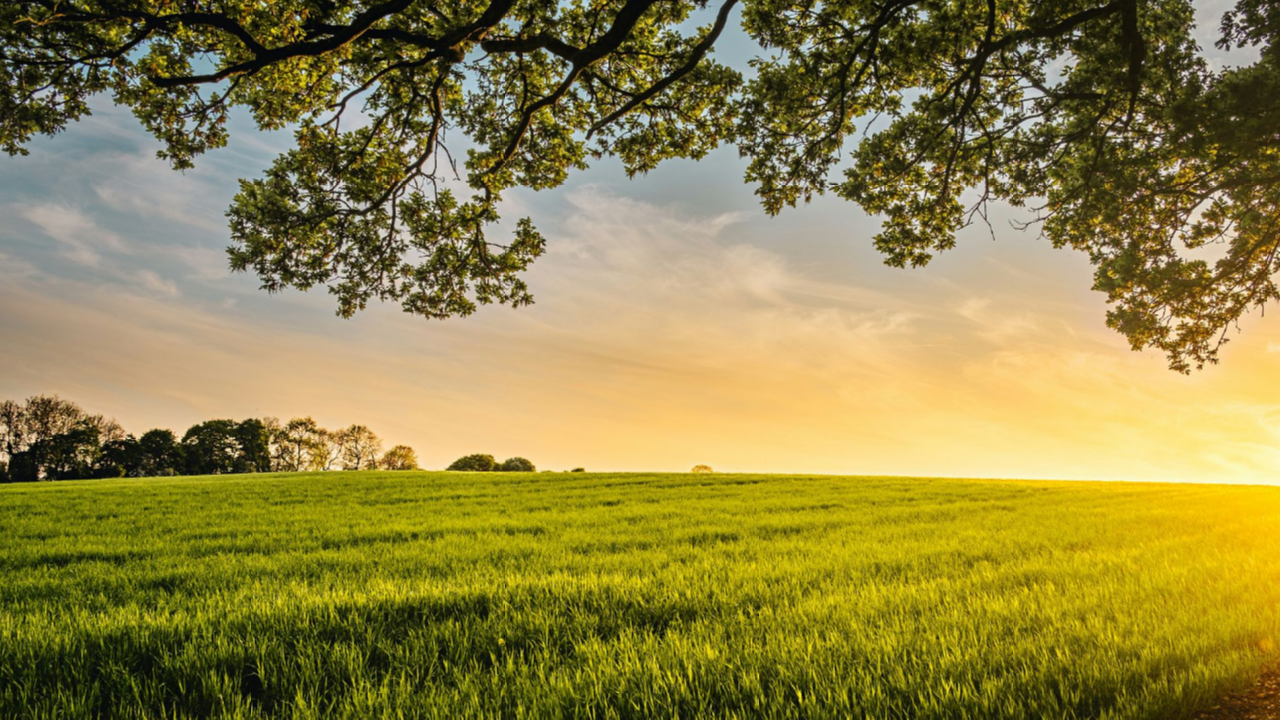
{"x":636,"y":595}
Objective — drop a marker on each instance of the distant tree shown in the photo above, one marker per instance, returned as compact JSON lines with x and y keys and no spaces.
{"x":49,"y":415}
{"x":275,"y":443}
{"x":702,"y":469}
{"x":331,"y":446}
{"x":160,"y":454}
{"x":13,"y":428}
{"x":516,"y":464}
{"x":473,"y":463}
{"x":70,"y":455}
{"x":48,"y":438}
{"x":63,"y":456}
{"x":253,"y":439}
{"x":210,"y":448}
{"x":108,"y":429}
{"x":23,"y":467}
{"x":120,"y":458}
{"x":302,"y":446}
{"x":41,"y":417}
{"x":400,"y":457}
{"x":360,"y":448}
{"x":578,"y":470}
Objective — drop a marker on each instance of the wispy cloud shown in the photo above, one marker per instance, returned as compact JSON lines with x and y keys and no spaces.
{"x":152,"y":282}
{"x":15,"y":268}
{"x":149,"y":189}
{"x":81,"y":240}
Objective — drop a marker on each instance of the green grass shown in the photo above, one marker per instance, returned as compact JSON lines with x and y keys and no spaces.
{"x":642,"y":595}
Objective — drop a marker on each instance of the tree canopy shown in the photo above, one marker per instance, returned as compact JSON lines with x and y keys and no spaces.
{"x":1102,"y":117}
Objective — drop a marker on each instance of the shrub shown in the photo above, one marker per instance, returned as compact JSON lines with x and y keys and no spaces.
{"x":516,"y":464}
{"x":473,"y":463}
{"x":702,"y":469}
{"x":578,"y":470}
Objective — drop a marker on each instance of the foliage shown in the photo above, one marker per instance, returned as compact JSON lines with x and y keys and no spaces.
{"x":39,"y":419}
{"x":72,"y":454}
{"x":156,"y":453}
{"x":331,"y":446}
{"x":516,"y":464}
{"x":47,"y":438}
{"x":211,"y":448}
{"x":635,"y":595}
{"x":578,"y":469}
{"x":399,"y":457}
{"x":301,"y":446}
{"x":62,"y":456}
{"x":119,"y":458}
{"x":473,"y":463}
{"x":160,"y":454}
{"x":1102,"y":116}
{"x":24,"y":467}
{"x":13,"y":428}
{"x":361,"y":448}
{"x":253,"y":446}
{"x":701,"y":469}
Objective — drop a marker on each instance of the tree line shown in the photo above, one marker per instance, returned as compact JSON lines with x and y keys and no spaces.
{"x":48,"y":438}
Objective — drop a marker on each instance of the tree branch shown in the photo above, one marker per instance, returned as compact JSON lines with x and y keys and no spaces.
{"x":699,"y":51}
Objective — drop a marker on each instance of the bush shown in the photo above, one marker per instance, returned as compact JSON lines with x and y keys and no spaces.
{"x":702,"y":469}
{"x":473,"y":463}
{"x":578,"y":470}
{"x":516,"y":464}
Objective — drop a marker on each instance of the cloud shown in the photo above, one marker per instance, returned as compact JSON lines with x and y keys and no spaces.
{"x":199,"y":262}
{"x":153,"y":283}
{"x":146,"y":187}
{"x":627,"y":279}
{"x":646,"y":259}
{"x":14,"y":268}
{"x":81,"y":239}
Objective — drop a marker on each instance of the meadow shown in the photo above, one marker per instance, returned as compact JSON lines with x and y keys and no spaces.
{"x":415,"y":594}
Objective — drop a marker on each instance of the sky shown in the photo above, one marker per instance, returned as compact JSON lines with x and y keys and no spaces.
{"x":675,"y":324}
